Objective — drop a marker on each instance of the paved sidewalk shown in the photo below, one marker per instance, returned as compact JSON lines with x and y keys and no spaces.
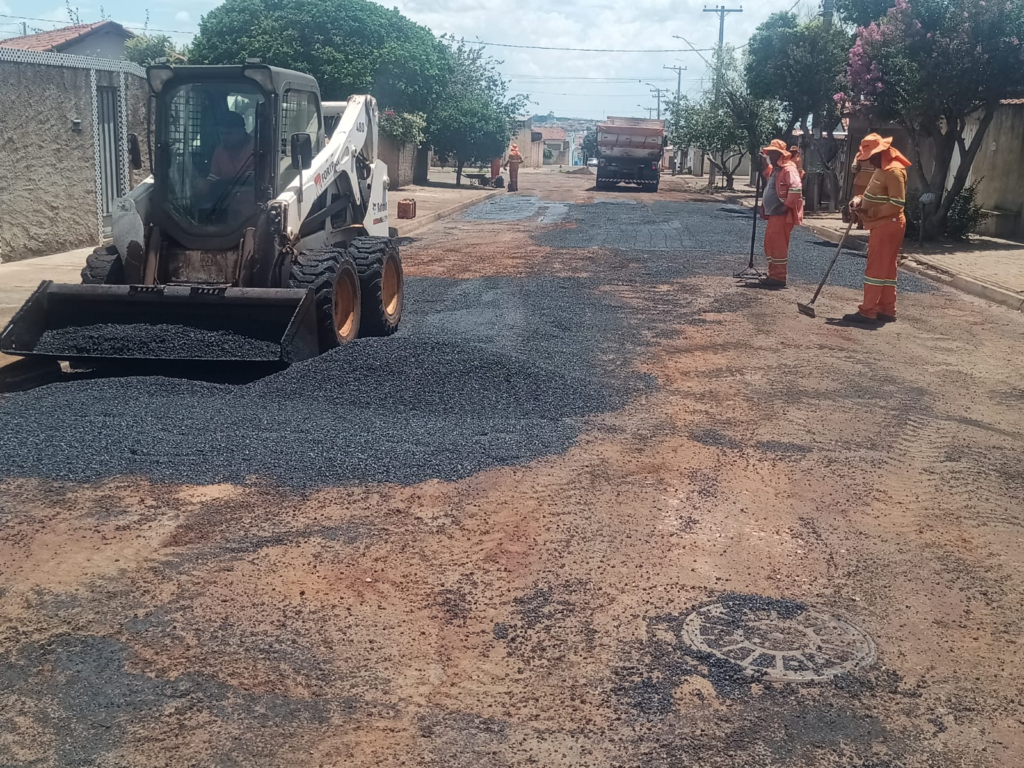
{"x":438,"y":199}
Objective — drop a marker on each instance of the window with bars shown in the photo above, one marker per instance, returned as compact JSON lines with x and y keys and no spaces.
{"x":210,"y":155}
{"x":300,"y":113}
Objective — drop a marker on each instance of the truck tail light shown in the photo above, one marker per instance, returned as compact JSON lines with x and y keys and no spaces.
{"x":654,"y":166}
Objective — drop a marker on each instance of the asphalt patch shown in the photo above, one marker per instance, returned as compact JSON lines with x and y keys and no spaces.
{"x":171,"y":342}
{"x":484,"y":373}
{"x":696,"y":239}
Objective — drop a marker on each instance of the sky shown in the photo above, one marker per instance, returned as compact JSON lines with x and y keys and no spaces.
{"x":580,"y":84}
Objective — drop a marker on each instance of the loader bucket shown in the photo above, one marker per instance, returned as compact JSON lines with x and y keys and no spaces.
{"x":158,"y":323}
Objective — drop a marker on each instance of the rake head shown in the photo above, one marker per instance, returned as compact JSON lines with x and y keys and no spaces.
{"x":748,"y":274}
{"x":805,"y":309}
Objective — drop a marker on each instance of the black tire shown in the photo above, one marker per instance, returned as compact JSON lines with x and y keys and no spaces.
{"x":332,"y":275}
{"x":103,"y":267}
{"x":381,"y":282}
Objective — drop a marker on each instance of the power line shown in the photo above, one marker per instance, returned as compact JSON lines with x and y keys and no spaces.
{"x":587,"y":50}
{"x":585,"y":95}
{"x":601,"y":79}
{"x":133,"y":29}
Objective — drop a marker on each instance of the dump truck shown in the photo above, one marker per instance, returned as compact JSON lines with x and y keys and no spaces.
{"x":631,"y":150}
{"x":255,"y":224}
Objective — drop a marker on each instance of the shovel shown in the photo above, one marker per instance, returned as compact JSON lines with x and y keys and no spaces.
{"x":808,"y":309}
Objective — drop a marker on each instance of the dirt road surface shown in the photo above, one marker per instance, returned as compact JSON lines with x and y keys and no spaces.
{"x":595,"y":505}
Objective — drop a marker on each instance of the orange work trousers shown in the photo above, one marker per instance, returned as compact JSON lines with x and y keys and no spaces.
{"x":513,"y":177}
{"x":884,"y":244}
{"x":776,"y":246}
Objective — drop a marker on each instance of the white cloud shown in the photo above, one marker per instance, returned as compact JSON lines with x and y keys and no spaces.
{"x":4,"y":7}
{"x":643,"y":24}
{"x":183,"y":17}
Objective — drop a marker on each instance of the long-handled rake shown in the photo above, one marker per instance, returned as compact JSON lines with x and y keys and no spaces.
{"x":751,"y":272}
{"x":808,"y":309}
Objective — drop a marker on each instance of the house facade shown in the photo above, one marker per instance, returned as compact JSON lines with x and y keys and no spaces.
{"x":65,"y":148}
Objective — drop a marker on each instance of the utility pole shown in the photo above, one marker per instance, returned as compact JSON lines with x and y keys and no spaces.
{"x":650,"y":110}
{"x":722,"y":12}
{"x":657,"y":92}
{"x":827,"y":9}
{"x":679,"y":78}
{"x":24,"y":29}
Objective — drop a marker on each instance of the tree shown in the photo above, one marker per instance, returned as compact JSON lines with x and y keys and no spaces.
{"x":590,"y":148}
{"x":728,"y":128}
{"x":145,"y":49}
{"x":930,"y":66}
{"x":474,"y":118}
{"x":802,"y":66}
{"x":349,"y":46}
{"x":860,"y":13}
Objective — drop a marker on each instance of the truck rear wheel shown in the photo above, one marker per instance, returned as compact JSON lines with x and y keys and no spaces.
{"x":332,"y":275}
{"x":382,"y":284}
{"x":103,"y":267}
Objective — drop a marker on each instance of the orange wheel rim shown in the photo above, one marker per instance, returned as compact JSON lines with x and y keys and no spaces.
{"x":390,"y":288}
{"x":344,"y":306}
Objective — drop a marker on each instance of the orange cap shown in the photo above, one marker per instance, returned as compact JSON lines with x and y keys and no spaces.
{"x":778,"y":145}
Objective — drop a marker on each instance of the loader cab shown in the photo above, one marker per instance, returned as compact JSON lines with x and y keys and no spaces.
{"x":221,"y":149}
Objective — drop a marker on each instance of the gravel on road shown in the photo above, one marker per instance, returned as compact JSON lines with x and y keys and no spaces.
{"x":485,"y":372}
{"x":171,"y":342}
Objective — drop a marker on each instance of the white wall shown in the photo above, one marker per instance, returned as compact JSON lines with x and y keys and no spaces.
{"x":103,"y":45}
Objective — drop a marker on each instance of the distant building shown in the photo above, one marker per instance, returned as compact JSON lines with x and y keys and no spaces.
{"x":102,"y":40}
{"x":528,"y":139}
{"x":556,"y":143}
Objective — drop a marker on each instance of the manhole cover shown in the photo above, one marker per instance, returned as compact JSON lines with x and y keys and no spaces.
{"x":777,"y":640}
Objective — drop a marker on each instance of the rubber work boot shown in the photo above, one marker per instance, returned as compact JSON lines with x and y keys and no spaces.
{"x":884,"y":318}
{"x":859,"y":319}
{"x":771,"y":282}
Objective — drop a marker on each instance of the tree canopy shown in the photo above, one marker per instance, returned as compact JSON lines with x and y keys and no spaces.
{"x":802,"y":66}
{"x":474,"y":117}
{"x":860,"y":13}
{"x":726,"y":128}
{"x":145,"y":49}
{"x":931,"y":64}
{"x":349,"y":46}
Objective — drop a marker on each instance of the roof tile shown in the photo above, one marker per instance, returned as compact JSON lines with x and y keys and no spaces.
{"x":57,"y":39}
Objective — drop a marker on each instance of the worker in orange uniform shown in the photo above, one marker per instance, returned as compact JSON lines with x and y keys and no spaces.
{"x":794,"y":151}
{"x":783,"y":207}
{"x":881,"y":209}
{"x":514,"y":161}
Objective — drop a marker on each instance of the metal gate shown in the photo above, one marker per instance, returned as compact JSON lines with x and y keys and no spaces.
{"x":110,"y":149}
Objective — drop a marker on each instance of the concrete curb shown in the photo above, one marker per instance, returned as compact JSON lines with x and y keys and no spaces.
{"x":414,"y":225}
{"x":977,"y":288}
{"x":853,"y":242}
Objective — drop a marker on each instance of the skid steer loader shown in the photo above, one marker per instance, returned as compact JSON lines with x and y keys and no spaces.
{"x":254,"y":224}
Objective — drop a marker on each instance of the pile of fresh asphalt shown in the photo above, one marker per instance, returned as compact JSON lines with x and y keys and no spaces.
{"x":485,"y":372}
{"x":169,"y":342}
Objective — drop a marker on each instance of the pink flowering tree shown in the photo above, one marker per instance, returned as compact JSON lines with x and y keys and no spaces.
{"x":930,"y":65}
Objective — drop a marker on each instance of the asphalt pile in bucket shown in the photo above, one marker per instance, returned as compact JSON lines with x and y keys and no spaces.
{"x":486,"y":372}
{"x":170,"y":342}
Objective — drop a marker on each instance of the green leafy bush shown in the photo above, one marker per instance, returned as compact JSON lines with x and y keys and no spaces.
{"x":965,"y":214}
{"x":404,"y":127}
